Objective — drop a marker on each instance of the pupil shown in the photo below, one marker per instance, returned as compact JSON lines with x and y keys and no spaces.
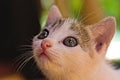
{"x":72,"y":41}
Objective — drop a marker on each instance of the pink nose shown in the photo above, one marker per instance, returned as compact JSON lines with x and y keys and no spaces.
{"x":45,"y":44}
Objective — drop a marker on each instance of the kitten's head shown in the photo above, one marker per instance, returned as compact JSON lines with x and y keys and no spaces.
{"x":66,"y":44}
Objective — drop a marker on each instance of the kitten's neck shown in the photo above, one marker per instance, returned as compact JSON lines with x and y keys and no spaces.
{"x":102,"y":72}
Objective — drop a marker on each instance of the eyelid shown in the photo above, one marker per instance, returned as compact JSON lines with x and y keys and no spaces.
{"x":70,"y":36}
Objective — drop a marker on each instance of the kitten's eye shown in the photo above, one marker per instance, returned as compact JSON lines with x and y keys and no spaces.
{"x":70,"y":41}
{"x":43,"y":34}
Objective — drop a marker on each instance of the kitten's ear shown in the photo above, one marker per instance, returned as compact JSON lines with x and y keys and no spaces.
{"x":102,"y":32}
{"x":54,"y":14}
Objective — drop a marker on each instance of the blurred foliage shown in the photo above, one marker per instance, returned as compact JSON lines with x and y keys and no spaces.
{"x":110,"y":8}
{"x":75,"y":7}
{"x":115,"y":63}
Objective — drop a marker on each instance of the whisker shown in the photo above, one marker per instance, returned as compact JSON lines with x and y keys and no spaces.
{"x":54,"y":52}
{"x":26,"y":54}
{"x":85,"y":21}
{"x":26,"y":46}
{"x":60,"y":57}
{"x":25,"y":49}
{"x":92,"y":18}
{"x":24,"y":63}
{"x":90,"y":14}
{"x":73,"y":15}
{"x":78,"y":15}
{"x":18,"y":60}
{"x":15,"y":60}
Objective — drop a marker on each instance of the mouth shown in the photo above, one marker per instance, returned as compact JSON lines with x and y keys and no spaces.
{"x":44,"y":55}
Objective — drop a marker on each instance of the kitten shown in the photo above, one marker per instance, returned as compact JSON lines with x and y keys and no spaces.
{"x":68,"y":50}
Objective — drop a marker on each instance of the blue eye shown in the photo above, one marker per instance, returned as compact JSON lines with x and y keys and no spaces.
{"x":43,"y":34}
{"x":70,"y":41}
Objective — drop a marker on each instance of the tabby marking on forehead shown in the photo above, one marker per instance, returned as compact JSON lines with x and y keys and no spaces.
{"x":61,"y":23}
{"x":84,"y":37}
{"x":57,"y":24}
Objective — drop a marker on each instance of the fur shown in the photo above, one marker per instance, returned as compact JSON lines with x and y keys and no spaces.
{"x":85,"y":61}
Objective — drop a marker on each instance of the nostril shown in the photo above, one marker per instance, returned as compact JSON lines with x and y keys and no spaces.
{"x":45,"y":44}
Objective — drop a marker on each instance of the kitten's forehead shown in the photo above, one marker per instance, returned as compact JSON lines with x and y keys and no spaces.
{"x":61,"y":27}
{"x":61,"y":23}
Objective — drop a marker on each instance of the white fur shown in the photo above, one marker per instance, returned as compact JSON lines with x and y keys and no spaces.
{"x":72,"y":63}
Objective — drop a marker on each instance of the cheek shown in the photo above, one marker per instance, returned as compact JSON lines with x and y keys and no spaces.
{"x":36,"y":44}
{"x":75,"y":51}
{"x":36,"y":48}
{"x":76,"y":56}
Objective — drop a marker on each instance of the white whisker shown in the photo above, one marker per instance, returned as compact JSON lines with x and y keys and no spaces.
{"x":30,"y":46}
{"x":25,"y":48}
{"x":83,"y":19}
{"x":24,"y":63}
{"x":54,"y":52}
{"x":26,"y":54}
{"x":21,"y":60}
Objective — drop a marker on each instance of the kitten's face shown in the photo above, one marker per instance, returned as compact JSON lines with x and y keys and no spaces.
{"x":64,"y":45}
{"x":57,"y":46}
